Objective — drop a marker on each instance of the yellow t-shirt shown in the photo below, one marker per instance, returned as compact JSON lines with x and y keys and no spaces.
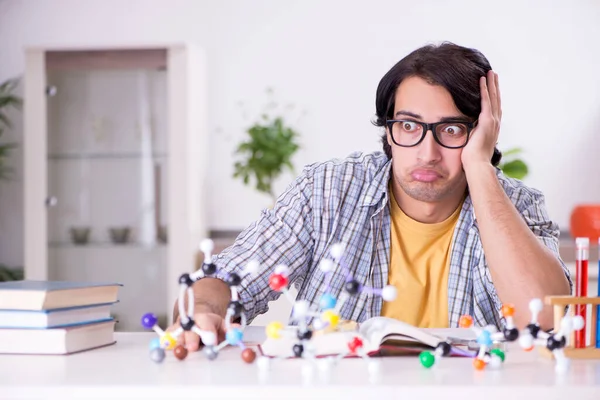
{"x":419,"y":264}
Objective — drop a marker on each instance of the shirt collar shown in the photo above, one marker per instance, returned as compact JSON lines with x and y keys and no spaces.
{"x":378,"y":187}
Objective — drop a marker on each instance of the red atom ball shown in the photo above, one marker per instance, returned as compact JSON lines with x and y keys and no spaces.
{"x":277,"y":282}
{"x":355,"y":344}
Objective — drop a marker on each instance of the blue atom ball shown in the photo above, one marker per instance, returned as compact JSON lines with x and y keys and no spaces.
{"x":327,"y":302}
{"x":234,"y":336}
{"x":149,"y":320}
{"x":154,"y":343}
{"x":485,"y":338}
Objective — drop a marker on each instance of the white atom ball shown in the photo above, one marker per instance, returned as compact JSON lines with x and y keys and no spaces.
{"x":301,"y":308}
{"x":207,"y":246}
{"x":326,"y":265}
{"x":495,"y":362}
{"x":566,"y":324}
{"x":282,"y":269}
{"x":578,"y":322}
{"x":389,"y":293}
{"x":526,"y":341}
{"x":536,"y":305}
{"x":337,"y":250}
{"x":252,"y":267}
{"x":318,"y":324}
{"x":208,"y":338}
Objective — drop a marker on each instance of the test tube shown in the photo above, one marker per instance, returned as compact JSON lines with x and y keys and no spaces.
{"x":582,"y":245}
{"x":598,"y":307}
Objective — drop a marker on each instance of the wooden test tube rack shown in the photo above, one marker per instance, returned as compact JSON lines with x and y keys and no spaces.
{"x":559,"y":303}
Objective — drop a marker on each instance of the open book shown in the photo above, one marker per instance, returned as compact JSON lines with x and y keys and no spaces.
{"x":380,"y":336}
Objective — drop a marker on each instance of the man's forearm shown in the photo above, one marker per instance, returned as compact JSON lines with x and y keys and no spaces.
{"x":211,"y":295}
{"x":522,"y":268}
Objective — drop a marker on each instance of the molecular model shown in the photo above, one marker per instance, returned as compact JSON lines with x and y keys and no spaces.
{"x":488,"y":335}
{"x":533,"y":336}
{"x":530,"y":337}
{"x":233,"y":336}
{"x":321,"y":319}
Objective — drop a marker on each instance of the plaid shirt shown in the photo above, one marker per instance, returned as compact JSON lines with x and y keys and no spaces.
{"x":347,"y":201}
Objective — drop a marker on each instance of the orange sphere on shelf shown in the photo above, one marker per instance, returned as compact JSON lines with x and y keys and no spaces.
{"x":585,"y":222}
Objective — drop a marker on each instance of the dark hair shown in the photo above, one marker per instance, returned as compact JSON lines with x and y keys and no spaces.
{"x":453,"y":67}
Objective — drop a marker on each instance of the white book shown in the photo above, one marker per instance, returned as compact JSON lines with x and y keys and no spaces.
{"x":55,"y":318}
{"x":62,"y":341}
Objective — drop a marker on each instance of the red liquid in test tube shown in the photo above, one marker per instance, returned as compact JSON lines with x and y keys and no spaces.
{"x":581,"y":284}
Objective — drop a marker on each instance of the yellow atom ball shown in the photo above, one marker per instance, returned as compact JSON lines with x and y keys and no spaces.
{"x":168,"y":341}
{"x":274,"y":330}
{"x":331,"y":318}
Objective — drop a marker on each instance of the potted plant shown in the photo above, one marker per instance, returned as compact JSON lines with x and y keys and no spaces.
{"x":10,"y":274}
{"x":266,"y":152}
{"x":512,"y":166}
{"x":8,"y":100}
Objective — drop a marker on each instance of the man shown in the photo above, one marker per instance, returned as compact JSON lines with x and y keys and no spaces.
{"x":430,"y":215}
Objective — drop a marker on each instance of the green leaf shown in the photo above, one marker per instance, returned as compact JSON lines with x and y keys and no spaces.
{"x":7,"y":100}
{"x":10,"y":274}
{"x":512,"y":152}
{"x":515,"y":169}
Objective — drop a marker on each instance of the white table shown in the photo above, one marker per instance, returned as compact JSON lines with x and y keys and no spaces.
{"x":124,"y":370}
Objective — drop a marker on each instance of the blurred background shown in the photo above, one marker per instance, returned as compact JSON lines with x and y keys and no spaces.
{"x":315,"y":65}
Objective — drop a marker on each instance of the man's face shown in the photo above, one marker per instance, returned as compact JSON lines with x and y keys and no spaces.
{"x":427,"y":172}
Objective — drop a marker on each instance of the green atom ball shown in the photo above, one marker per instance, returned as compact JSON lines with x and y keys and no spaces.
{"x":499,"y":353}
{"x":427,"y":359}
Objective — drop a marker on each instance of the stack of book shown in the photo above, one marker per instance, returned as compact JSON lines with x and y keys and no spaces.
{"x":56,"y":317}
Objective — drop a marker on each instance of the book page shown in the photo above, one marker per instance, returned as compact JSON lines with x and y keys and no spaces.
{"x":383,"y":329}
{"x":378,"y":333}
{"x":377,"y":329}
{"x":322,"y":343}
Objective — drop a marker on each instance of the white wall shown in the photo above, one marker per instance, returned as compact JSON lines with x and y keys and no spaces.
{"x":327,"y":57}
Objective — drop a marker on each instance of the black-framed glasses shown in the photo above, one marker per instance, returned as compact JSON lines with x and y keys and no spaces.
{"x":449,"y":134}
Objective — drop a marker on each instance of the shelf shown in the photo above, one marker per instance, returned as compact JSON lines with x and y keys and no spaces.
{"x":102,"y":245}
{"x":104,"y":156}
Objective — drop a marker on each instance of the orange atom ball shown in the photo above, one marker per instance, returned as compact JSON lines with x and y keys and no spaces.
{"x":466,"y":321}
{"x":248,"y":355}
{"x":508,"y":310}
{"x":479,"y":364}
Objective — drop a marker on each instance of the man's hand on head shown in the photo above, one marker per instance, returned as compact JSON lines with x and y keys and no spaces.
{"x":484,"y":137}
